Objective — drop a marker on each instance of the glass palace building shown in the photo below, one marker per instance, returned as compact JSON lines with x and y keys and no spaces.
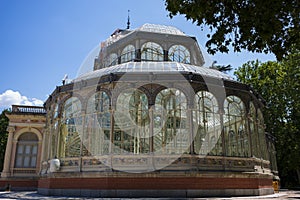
{"x":150,"y":120}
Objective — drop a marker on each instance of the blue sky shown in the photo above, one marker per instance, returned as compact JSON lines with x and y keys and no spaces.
{"x":42,"y":40}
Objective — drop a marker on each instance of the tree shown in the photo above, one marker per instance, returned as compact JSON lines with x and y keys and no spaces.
{"x":254,"y":25}
{"x":221,"y":68}
{"x":3,"y":136}
{"x":279,"y":85}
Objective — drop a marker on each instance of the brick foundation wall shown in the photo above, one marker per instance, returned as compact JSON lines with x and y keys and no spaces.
{"x":159,"y":183}
{"x":19,"y":184}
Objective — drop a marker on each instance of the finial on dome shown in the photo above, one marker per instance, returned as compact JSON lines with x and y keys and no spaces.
{"x":128,"y":20}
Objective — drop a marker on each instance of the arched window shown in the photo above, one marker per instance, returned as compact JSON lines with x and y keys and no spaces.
{"x":71,"y":129}
{"x":261,"y":135}
{"x":152,"y":51}
{"x":131,"y":127}
{"x":128,"y":54}
{"x":54,"y":131}
{"x":55,"y":112}
{"x":236,"y":136}
{"x":171,"y":131}
{"x":179,"y":53}
{"x":207,"y":126}
{"x":96,"y":136}
{"x":27,"y":150}
{"x":253,"y":131}
{"x":112,"y":59}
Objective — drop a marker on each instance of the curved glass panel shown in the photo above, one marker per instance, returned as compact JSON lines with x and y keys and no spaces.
{"x":160,"y":29}
{"x":71,"y":128}
{"x":179,"y":53}
{"x":55,"y":112}
{"x":207,"y":140}
{"x":171,"y":131}
{"x":96,"y":136}
{"x":261,"y":135}
{"x":152,"y":51}
{"x":112,"y":59}
{"x":131,"y":127}
{"x":54,"y":135}
{"x":128,"y":54}
{"x":155,"y":67}
{"x":236,"y":136}
{"x":253,"y":131}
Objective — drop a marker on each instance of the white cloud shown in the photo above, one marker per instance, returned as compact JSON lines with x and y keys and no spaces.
{"x":10,"y":97}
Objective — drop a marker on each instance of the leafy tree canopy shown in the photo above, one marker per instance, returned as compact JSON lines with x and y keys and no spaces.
{"x":3,"y":136}
{"x":279,"y":84}
{"x":254,"y":25}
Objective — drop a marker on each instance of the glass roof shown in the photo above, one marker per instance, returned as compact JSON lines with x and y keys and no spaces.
{"x":160,"y":29}
{"x":162,"y":67}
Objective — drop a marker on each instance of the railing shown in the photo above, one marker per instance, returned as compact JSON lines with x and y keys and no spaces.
{"x":28,"y":109}
{"x":140,"y":163}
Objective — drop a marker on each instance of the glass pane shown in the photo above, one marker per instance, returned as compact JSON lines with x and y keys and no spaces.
{"x":26,"y":161}
{"x":128,"y":54}
{"x":70,"y":130}
{"x":171,"y":131}
{"x":20,"y":149}
{"x":34,"y":149}
{"x":19,"y":161}
{"x":179,"y":53}
{"x":33,"y":161}
{"x":236,"y":135}
{"x":131,"y":131}
{"x":27,"y":149}
{"x":207,"y":129}
{"x":152,"y":52}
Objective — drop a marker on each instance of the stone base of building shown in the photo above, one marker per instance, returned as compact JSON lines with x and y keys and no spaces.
{"x":18,"y":184}
{"x":155,"y":187}
{"x":155,"y":193}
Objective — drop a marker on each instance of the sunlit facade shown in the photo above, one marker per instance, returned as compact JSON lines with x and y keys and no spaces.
{"x":151,"y":121}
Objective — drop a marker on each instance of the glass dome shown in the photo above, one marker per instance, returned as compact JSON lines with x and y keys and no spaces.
{"x":160,"y":29}
{"x":162,"y":67}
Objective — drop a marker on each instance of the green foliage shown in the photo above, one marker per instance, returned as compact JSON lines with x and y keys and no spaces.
{"x":3,"y":136}
{"x":254,"y":25}
{"x":221,"y":68}
{"x":279,"y":84}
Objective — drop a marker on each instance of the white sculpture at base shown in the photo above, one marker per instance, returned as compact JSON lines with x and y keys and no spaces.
{"x":54,"y":165}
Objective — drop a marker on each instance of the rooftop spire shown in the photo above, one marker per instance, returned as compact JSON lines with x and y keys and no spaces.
{"x":128,"y":20}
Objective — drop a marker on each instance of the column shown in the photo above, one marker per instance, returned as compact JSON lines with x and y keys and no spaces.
{"x":191,"y":127}
{"x":151,"y":135}
{"x":111,"y":136}
{"x":7,"y":159}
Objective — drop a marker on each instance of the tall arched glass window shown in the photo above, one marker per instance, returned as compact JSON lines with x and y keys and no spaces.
{"x":54,"y":131}
{"x":261,"y":135}
{"x":96,"y":138}
{"x":27,"y":150}
{"x":112,"y":59}
{"x":207,"y":126}
{"x":128,"y":54}
{"x":171,"y":130}
{"x":131,"y":127}
{"x":179,"y":53}
{"x":253,"y":131}
{"x":236,"y":136}
{"x":55,"y":112}
{"x":152,"y":51}
{"x":71,"y":129}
